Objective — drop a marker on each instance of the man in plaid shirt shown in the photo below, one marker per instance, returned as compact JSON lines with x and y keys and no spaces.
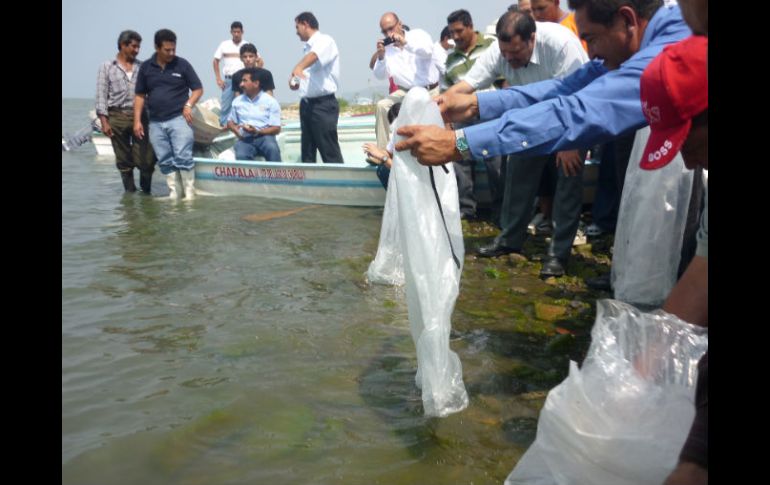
{"x":115,"y":109}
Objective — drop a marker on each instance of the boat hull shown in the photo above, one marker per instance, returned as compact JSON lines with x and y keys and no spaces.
{"x":302,"y":182}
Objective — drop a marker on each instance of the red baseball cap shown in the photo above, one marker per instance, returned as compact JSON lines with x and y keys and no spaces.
{"x":674,"y":89}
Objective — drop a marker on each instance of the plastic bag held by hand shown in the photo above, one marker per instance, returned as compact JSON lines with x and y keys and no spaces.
{"x":431,"y":243}
{"x":622,"y":418}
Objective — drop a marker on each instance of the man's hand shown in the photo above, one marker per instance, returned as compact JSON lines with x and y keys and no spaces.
{"x":429,"y":144}
{"x":298,"y":73}
{"x":570,"y":161}
{"x":138,"y":130}
{"x":380,"y":50}
{"x":398,"y":40}
{"x":187,"y":113}
{"x":221,"y":83}
{"x":106,"y":128}
{"x":458,"y":107}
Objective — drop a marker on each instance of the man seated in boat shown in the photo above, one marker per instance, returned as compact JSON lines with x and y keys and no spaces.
{"x":250,"y":58}
{"x":255,"y":119}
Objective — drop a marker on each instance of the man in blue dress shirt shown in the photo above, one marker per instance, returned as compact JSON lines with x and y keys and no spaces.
{"x":255,"y":118}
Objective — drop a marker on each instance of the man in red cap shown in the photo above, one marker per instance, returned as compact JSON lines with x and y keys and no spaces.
{"x":674,"y":94}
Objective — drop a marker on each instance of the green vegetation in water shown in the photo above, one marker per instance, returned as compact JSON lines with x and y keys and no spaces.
{"x":493,"y":273}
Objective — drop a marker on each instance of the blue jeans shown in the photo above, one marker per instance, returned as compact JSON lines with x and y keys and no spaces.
{"x":226,"y":101}
{"x":172,"y":141}
{"x":383,"y":173}
{"x":251,"y":146}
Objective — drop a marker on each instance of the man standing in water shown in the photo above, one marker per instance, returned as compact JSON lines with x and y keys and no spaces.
{"x":171,"y":88}
{"x":115,"y":109}
{"x":316,"y":76}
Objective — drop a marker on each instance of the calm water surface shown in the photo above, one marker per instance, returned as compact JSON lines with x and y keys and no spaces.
{"x":201,"y":348}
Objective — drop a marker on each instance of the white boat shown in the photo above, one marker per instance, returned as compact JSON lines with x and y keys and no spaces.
{"x":352,"y":183}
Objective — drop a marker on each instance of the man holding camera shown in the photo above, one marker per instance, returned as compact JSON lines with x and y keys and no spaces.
{"x":407,"y":57}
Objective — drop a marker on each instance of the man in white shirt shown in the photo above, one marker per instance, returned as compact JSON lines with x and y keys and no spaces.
{"x":229,"y":53}
{"x":408,"y":59}
{"x":527,"y":52}
{"x":316,"y":76}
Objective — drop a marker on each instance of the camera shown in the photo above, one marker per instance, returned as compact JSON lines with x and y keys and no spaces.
{"x":387,"y":41}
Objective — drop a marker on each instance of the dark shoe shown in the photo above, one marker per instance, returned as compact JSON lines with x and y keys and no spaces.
{"x":552,"y":267}
{"x":599,"y":283}
{"x":468,"y":217}
{"x":128,"y":181}
{"x":145,"y":181}
{"x":494,"y":250}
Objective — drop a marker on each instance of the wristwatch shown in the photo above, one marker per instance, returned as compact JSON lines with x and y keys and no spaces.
{"x":462,"y":144}
{"x":385,"y":158}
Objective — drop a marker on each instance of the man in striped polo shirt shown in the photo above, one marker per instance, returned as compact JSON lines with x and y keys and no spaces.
{"x":469,"y":45}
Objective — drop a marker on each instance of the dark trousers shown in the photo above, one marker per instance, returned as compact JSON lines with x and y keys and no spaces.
{"x":131,"y":152}
{"x":522,"y":180}
{"x":604,"y":210}
{"x":318,"y":121}
{"x":465,"y":174}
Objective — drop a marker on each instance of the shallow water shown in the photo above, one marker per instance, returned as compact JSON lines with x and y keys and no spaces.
{"x":204,"y":343}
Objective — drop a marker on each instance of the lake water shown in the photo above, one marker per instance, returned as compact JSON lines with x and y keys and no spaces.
{"x":201,"y":348}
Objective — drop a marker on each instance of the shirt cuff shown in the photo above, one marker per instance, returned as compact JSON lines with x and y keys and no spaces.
{"x":482,"y":140}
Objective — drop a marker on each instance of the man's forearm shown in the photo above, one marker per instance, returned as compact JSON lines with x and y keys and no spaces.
{"x":689,"y":298}
{"x":270,"y":130}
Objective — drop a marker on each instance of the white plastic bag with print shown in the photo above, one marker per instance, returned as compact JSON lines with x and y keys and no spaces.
{"x":388,"y":265}
{"x":651,"y":223}
{"x":432,"y":246}
{"x":622,"y":418}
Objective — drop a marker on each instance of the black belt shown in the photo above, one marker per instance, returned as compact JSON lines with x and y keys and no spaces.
{"x":122,"y":110}
{"x":319,"y":98}
{"x":428,"y":87}
{"x":228,"y":77}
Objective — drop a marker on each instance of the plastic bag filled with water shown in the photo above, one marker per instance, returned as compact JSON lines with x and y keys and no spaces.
{"x":622,"y":418}
{"x":422,"y":213}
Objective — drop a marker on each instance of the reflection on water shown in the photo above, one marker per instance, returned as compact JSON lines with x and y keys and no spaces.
{"x":233,"y":340}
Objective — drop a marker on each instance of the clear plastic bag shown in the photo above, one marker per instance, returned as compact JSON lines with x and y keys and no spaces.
{"x":431,"y":245}
{"x":388,"y":265}
{"x":623,"y":417}
{"x":651,"y":223}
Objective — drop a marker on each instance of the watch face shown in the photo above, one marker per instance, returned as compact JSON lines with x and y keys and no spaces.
{"x":462,"y":144}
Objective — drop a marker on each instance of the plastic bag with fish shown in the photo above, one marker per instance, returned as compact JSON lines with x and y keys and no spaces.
{"x":428,"y":227}
{"x":622,"y":418}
